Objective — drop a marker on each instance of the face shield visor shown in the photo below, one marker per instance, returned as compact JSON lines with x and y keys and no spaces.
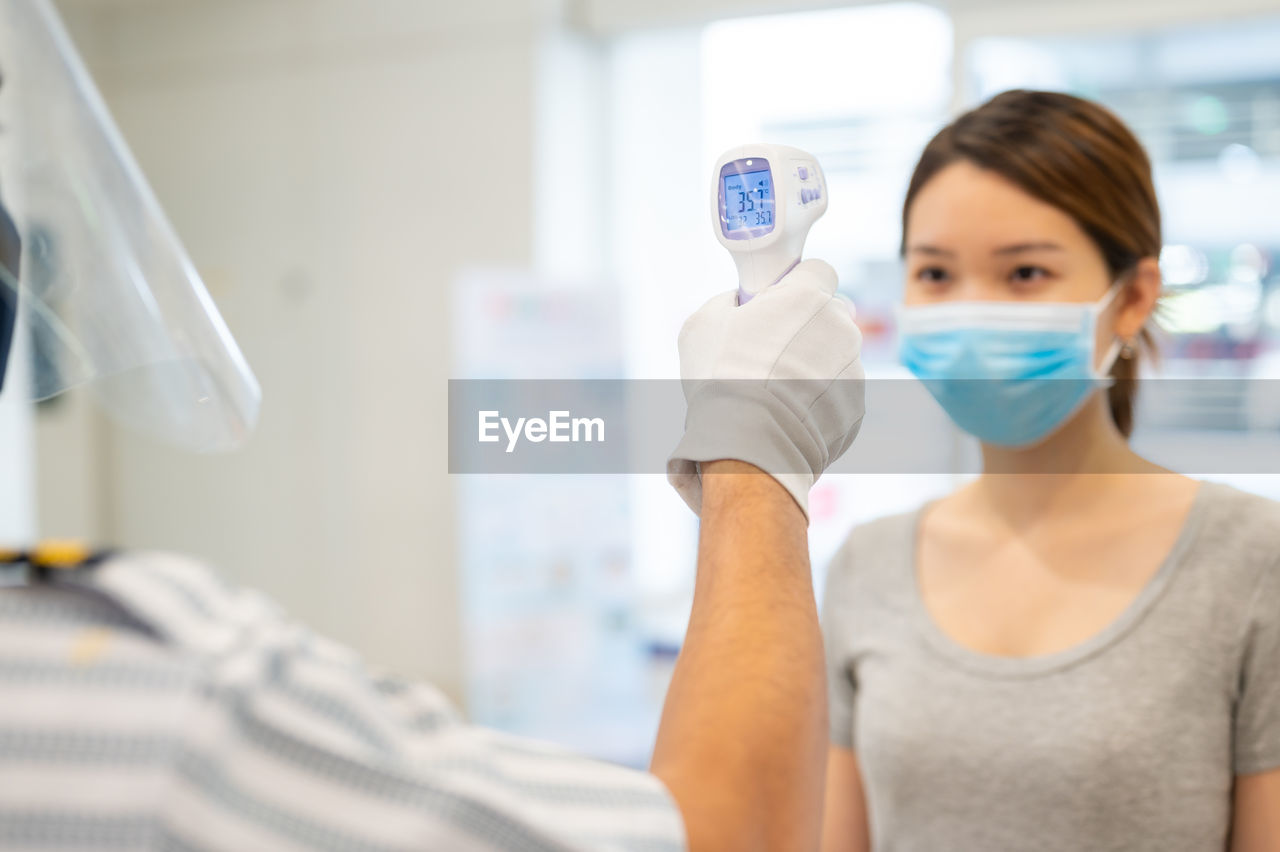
{"x":104,"y":293}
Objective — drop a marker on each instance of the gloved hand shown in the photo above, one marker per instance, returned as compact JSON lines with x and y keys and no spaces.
{"x":776,"y":382}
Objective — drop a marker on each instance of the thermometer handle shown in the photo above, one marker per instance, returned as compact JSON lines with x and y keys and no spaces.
{"x":760,"y":269}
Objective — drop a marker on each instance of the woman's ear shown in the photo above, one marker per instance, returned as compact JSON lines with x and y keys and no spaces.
{"x":1138,"y":299}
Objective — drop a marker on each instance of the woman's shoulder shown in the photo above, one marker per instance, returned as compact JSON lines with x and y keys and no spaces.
{"x":1230,"y":514}
{"x":1237,"y":532}
{"x":1223,"y":493}
{"x":1238,"y":542}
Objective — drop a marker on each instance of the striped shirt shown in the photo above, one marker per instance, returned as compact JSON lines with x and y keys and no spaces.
{"x":145,"y":704}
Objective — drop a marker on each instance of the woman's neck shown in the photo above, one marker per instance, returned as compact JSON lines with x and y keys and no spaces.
{"x":1071,"y":465}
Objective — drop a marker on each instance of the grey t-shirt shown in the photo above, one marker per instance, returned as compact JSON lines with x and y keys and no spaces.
{"x":1128,"y":741}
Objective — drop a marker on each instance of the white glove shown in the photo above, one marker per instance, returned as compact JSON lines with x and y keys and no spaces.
{"x":776,"y":382}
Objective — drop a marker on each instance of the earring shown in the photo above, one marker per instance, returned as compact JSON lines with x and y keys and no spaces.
{"x":1126,"y":350}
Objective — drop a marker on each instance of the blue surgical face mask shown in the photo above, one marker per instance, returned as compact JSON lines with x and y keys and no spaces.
{"x":1008,"y":373}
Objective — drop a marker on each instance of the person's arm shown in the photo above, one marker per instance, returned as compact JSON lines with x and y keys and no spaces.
{"x":743,"y":736}
{"x":1255,"y":822}
{"x":775,"y":395}
{"x":844,"y":818}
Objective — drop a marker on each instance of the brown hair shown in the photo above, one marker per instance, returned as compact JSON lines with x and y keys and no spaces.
{"x":1077,"y":156}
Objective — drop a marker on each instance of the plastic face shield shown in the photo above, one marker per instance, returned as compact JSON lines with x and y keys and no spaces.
{"x":107,"y":297}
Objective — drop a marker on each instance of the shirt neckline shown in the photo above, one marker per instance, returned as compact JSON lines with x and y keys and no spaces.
{"x":992,"y":664}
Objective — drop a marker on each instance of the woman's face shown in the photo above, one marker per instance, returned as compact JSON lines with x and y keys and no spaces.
{"x":974,"y":236}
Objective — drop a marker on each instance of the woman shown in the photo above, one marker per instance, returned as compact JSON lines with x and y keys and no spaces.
{"x":1080,"y":650}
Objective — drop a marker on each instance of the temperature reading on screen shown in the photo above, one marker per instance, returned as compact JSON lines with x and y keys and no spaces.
{"x":748,"y":201}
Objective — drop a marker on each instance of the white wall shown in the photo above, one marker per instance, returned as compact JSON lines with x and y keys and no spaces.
{"x":330,"y":166}
{"x":571,"y":189}
{"x":17,"y":471}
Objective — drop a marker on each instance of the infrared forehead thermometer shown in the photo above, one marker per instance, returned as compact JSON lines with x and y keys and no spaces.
{"x":763,"y":200}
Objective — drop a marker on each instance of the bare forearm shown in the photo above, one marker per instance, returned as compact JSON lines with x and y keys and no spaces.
{"x":1255,"y":824}
{"x":743,"y":738}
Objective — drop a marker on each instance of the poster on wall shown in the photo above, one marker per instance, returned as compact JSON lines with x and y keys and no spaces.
{"x":554,"y":644}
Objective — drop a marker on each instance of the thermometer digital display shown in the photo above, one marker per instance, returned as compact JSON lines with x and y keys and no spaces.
{"x":749,"y":201}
